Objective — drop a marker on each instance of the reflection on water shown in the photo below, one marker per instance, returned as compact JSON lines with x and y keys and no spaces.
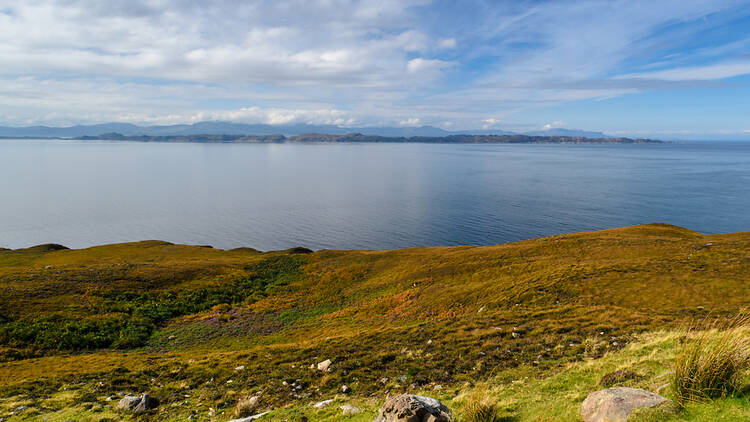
{"x":373,"y":196}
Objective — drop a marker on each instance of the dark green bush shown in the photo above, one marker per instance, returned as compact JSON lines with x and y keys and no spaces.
{"x":127,"y":319}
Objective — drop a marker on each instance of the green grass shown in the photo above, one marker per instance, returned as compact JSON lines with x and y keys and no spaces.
{"x":557,"y":314}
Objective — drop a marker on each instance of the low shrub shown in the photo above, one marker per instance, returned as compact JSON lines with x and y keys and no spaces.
{"x":126,"y":320}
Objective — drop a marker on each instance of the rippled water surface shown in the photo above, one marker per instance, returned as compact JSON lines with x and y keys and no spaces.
{"x":373,"y":196}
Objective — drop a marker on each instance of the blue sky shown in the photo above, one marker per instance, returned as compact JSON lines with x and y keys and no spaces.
{"x":651,"y":68}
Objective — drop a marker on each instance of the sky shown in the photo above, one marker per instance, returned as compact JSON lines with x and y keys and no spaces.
{"x":647,"y":68}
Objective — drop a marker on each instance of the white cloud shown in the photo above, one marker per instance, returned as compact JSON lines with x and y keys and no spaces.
{"x":447,"y":43}
{"x":708,"y":72}
{"x":426,"y":66}
{"x":347,"y":61}
{"x":554,"y":125}
{"x":412,"y":121}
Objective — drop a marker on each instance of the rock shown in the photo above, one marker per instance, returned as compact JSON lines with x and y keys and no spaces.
{"x":616,"y":404}
{"x":411,"y":408}
{"x":145,"y":404}
{"x":345,"y":389}
{"x":348,"y":409}
{"x":325,"y":366}
{"x":250,"y":418}
{"x":239,"y":368}
{"x":128,"y":403}
{"x":137,"y":404}
{"x":323,"y":404}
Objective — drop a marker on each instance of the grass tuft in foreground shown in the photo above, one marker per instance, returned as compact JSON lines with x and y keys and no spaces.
{"x":481,"y":408}
{"x":711,"y":363}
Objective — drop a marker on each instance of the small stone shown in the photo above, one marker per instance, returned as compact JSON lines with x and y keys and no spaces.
{"x":323,"y":404}
{"x":325,"y":366}
{"x":345,"y":389}
{"x":348,"y":409}
{"x":250,"y":418}
{"x":239,"y":368}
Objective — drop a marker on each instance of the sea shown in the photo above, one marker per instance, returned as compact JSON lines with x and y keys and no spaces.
{"x":360,"y":196}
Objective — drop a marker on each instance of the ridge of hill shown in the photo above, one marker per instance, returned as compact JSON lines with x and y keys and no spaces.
{"x":79,"y":326}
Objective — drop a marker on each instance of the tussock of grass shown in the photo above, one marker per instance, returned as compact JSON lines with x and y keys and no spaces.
{"x":712,"y":363}
{"x":480,"y":408}
{"x":246,"y":406}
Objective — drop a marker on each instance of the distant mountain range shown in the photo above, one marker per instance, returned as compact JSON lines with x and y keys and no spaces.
{"x":228,"y":128}
{"x":361,"y":138}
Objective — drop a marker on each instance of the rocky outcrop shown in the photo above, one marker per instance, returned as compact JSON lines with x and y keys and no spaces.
{"x":617,"y":404}
{"x":411,"y":408}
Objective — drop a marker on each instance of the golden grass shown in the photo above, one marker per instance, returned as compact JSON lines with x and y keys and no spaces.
{"x":567,"y":298}
{"x":480,"y":408}
{"x":712,"y":362}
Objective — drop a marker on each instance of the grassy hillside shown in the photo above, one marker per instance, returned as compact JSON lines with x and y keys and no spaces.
{"x":539,"y":318}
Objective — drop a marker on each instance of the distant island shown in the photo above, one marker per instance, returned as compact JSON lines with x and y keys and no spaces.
{"x":361,"y":138}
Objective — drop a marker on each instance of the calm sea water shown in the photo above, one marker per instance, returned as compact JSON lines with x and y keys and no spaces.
{"x":373,"y":196}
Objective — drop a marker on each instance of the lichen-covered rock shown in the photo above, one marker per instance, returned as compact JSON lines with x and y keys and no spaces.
{"x":617,"y":404}
{"x":411,"y":408}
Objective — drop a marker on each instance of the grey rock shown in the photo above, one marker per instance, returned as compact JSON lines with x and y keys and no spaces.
{"x":323,"y":404}
{"x":128,"y":403}
{"x":137,"y":404}
{"x":250,"y":418}
{"x":348,"y":409}
{"x":616,"y":404}
{"x":345,"y":389}
{"x":412,"y":408}
{"x":145,"y":404}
